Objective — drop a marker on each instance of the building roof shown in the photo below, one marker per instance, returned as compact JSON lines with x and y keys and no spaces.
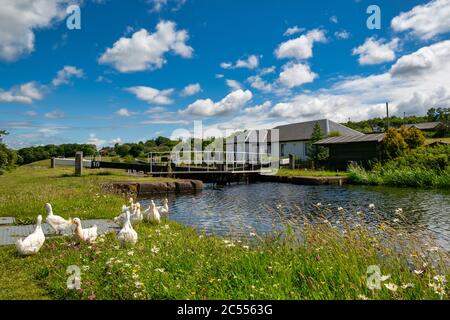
{"x":352,"y":139}
{"x":423,"y":126}
{"x":304,"y":130}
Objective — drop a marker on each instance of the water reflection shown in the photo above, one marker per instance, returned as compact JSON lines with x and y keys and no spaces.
{"x":240,"y":209}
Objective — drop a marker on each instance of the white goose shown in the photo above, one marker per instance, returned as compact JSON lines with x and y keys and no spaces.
{"x":86,"y":235}
{"x":164,"y":209}
{"x":152,"y":214}
{"x":135,"y":217}
{"x":59,"y":224}
{"x":127,"y":236}
{"x":31,"y":244}
{"x":131,"y":207}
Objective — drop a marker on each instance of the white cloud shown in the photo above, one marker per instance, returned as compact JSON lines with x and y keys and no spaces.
{"x":343,"y":34}
{"x":65,"y":74}
{"x":226,"y":65}
{"x":267,"y":70}
{"x":56,"y":114}
{"x":301,"y":47}
{"x":19,"y":20}
{"x":219,"y":76}
{"x":26,"y":93}
{"x":160,"y":5}
{"x":296,"y":74}
{"x":95,"y":141}
{"x":152,"y":95}
{"x":425,"y":21}
{"x":259,"y":110}
{"x":155,"y":110}
{"x":334,"y":19}
{"x":251,"y":62}
{"x":233,"y":84}
{"x":124,"y":112}
{"x":191,"y":89}
{"x":413,"y":90}
{"x":145,"y":51}
{"x":258,"y":83}
{"x":423,"y":60}
{"x":231,"y":103}
{"x":375,"y":51}
{"x":116,"y":140}
{"x":293,"y":30}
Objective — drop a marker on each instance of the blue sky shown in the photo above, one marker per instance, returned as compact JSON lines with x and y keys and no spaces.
{"x":143,"y":68}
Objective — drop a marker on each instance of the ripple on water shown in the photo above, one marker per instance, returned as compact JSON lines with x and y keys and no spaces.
{"x":239,"y":209}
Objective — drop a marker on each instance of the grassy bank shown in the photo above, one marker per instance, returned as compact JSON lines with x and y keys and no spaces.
{"x":171,"y":261}
{"x":309,"y":173}
{"x":24,"y":191}
{"x":422,"y":167}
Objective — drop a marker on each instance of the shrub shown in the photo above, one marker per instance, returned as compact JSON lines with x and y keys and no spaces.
{"x":413,"y":137}
{"x":393,"y":144}
{"x":422,"y":167}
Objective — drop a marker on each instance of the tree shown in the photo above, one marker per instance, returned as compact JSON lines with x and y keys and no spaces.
{"x":162,"y":141}
{"x":317,"y":153}
{"x":136,"y":150}
{"x":123,"y":150}
{"x":413,"y":137}
{"x":8,"y":158}
{"x":393,"y":144}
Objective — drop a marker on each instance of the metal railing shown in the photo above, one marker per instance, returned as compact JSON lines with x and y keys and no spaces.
{"x":215,"y":161}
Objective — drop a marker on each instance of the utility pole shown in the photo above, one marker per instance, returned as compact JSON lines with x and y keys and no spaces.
{"x":387,"y":114}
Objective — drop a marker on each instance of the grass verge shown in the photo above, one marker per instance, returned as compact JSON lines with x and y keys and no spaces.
{"x":170,"y":261}
{"x":310,"y":173}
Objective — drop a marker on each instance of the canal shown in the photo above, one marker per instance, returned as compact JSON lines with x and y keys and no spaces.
{"x":240,"y":210}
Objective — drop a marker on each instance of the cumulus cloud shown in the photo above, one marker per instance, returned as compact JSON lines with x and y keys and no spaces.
{"x":233,"y":84}
{"x":301,"y":47}
{"x":26,"y":93}
{"x":152,"y":95}
{"x":20,"y":19}
{"x":425,"y":21}
{"x":423,"y":60}
{"x":375,"y":51}
{"x":251,"y":62}
{"x":65,"y":74}
{"x":191,"y":89}
{"x":146,"y":51}
{"x":259,"y":110}
{"x":413,"y":90}
{"x":233,"y":102}
{"x":95,"y":141}
{"x":124,"y":112}
{"x":259,"y":83}
{"x":293,"y":30}
{"x":115,"y":141}
{"x":296,"y":74}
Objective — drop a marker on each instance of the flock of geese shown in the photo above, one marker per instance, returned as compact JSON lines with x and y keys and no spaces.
{"x":129,"y":216}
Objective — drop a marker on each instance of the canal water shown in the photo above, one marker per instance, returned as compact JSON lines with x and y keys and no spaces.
{"x":240,"y":210}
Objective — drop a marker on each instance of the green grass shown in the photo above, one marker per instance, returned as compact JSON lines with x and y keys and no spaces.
{"x":310,"y":173}
{"x":428,"y":141}
{"x":423,"y":167}
{"x":24,"y":191}
{"x":171,"y":261}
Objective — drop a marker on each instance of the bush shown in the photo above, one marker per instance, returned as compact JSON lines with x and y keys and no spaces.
{"x":413,"y":137}
{"x":393,"y":144}
{"x":8,"y":158}
{"x":422,"y":167}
